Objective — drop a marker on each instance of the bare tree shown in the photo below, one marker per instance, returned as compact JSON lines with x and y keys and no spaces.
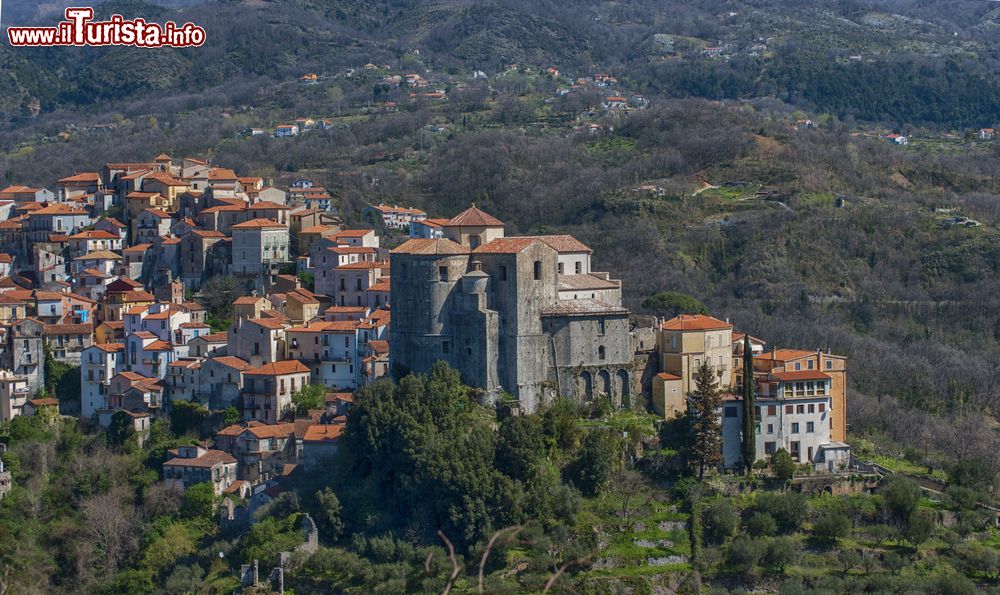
{"x":113,"y":524}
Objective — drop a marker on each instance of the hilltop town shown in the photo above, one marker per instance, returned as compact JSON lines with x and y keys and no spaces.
{"x":116,"y":273}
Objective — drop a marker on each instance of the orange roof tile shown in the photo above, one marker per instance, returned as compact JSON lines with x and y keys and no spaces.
{"x":431,"y":247}
{"x":259,"y":224}
{"x":282,"y":368}
{"x":694,"y":322}
{"x":474,"y":217}
{"x":323,"y":433}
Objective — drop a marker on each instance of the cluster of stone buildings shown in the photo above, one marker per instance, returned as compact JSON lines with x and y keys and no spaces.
{"x":523,"y":318}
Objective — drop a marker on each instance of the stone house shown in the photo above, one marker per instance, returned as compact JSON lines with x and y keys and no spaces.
{"x":190,"y":465}
{"x":268,"y":389}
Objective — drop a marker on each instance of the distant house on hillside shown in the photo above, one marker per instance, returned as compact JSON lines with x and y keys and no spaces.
{"x":987,"y":133}
{"x":899,"y":139}
{"x":284,"y":130}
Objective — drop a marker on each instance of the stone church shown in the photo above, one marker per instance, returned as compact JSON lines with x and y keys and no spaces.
{"x":524,"y":315}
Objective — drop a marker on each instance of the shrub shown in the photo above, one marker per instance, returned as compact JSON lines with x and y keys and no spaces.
{"x":789,"y":509}
{"x":783,"y":465}
{"x":781,"y":551}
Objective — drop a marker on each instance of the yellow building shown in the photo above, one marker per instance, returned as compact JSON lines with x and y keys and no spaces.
{"x":800,"y":360}
{"x":687,"y":340}
{"x":668,"y":399}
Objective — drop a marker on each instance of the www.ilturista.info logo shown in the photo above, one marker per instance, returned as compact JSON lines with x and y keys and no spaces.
{"x":80,"y":29}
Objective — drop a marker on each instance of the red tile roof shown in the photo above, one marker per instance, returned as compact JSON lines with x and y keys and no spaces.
{"x":474,"y":217}
{"x":282,"y":368}
{"x":799,"y":375}
{"x":695,"y":322}
{"x":431,"y":247}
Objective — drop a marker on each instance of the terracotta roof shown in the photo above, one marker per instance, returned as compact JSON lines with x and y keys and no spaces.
{"x":323,"y":433}
{"x":584,"y":282}
{"x":268,"y":206}
{"x":138,"y":248}
{"x":237,"y":429}
{"x":58,"y":209}
{"x":159,"y":346}
{"x":138,"y":296}
{"x":94,"y":234}
{"x":100,"y":255}
{"x":431,"y":247}
{"x":68,"y":329}
{"x":46,"y":402}
{"x":379,"y":346}
{"x":159,"y":213}
{"x":326,"y":327}
{"x":230,"y":361}
{"x":318,"y":229}
{"x":270,"y":431}
{"x":109,"y":347}
{"x":799,"y":375}
{"x":282,"y":368}
{"x":210,"y":459}
{"x":247,"y":300}
{"x":694,"y":322}
{"x":584,"y":307}
{"x":268,"y":323}
{"x":474,"y":217}
{"x":383,"y":284}
{"x":363,"y":265}
{"x":259,"y":224}
{"x":346,"y":309}
{"x":781,"y":355}
{"x":564,"y":244}
{"x":213,"y":337}
{"x":666,"y":376}
{"x":354,"y":233}
{"x":383,"y":208}
{"x":352,"y":249}
{"x":505,"y":246}
{"x":86,"y":177}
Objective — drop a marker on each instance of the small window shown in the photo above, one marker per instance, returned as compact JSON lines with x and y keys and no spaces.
{"x":810,"y":427}
{"x":789,"y":409}
{"x":771,"y":410}
{"x":578,"y":267}
{"x":600,"y":352}
{"x":445,"y":347}
{"x":812,"y":408}
{"x":769,"y":448}
{"x":822,"y":407}
{"x":800,"y":409}
{"x":770,"y":428}
{"x":560,"y":267}
{"x":730,"y":411}
{"x":538,"y":270}
{"x":503,"y":273}
{"x":829,"y":365}
{"x":442,"y":275}
{"x":810,"y":364}
{"x":795,"y":428}
{"x":798,"y":366}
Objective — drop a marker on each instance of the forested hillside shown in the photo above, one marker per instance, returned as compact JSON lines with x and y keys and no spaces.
{"x":755,"y":172}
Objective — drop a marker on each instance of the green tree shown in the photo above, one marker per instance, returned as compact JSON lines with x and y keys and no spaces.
{"x":310,"y":396}
{"x":672,"y":303}
{"x":720,"y":521}
{"x":789,"y":509}
{"x":749,"y":421}
{"x":849,"y":559}
{"x":831,"y":527}
{"x":706,"y":428}
{"x":199,"y":501}
{"x":328,"y":513}
{"x":782,"y":464}
{"x":918,"y":528}
{"x":173,"y":543}
{"x":900,"y":496}
{"x":592,"y":470}
{"x":893,"y":562}
{"x":424,"y":450}
{"x":521,"y":443}
{"x":121,"y":428}
{"x":780,"y":552}
{"x":188,"y":418}
{"x":744,"y":553}
{"x":761,"y":524}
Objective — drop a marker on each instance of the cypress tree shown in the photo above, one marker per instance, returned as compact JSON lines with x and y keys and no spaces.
{"x":749,"y":421}
{"x":705,"y":451}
